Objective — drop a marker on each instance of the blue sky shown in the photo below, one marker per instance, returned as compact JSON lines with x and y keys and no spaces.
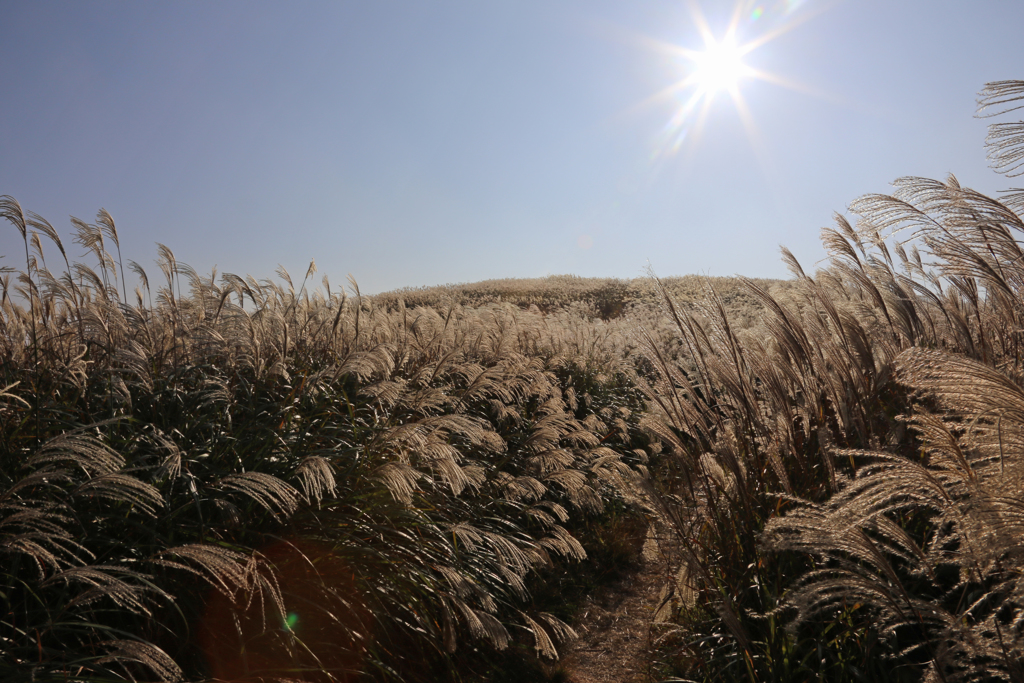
{"x":414,"y":143}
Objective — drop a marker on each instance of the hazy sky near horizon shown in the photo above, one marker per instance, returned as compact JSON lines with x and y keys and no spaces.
{"x":420,"y":143}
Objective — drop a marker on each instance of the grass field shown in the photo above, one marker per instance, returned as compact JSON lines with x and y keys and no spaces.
{"x":225,"y":478}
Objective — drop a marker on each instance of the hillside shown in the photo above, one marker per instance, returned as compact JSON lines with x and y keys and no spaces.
{"x":606,"y":298}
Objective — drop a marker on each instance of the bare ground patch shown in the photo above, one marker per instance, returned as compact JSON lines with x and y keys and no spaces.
{"x":615,"y":643}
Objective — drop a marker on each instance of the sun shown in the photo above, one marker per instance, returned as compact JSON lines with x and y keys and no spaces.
{"x":719,"y":67}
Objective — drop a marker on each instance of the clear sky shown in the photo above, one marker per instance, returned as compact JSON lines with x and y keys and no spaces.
{"x":418,"y":143}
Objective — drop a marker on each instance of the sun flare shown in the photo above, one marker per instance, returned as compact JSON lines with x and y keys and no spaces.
{"x":720,"y":66}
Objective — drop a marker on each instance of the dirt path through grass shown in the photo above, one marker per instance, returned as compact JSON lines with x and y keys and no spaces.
{"x":615,"y":644}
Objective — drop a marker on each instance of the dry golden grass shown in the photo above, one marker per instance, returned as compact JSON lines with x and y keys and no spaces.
{"x":247,"y":480}
{"x":604,"y":298}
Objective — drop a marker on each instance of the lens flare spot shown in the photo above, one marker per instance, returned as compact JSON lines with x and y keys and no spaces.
{"x":328,"y":641}
{"x":585,"y":242}
{"x":757,"y":13}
